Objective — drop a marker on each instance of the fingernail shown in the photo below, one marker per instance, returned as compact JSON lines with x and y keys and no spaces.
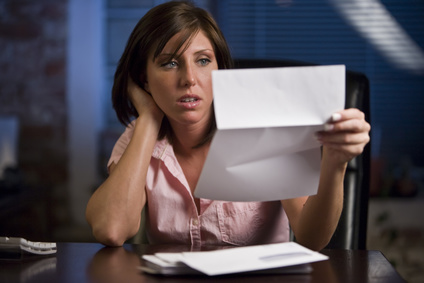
{"x":328,"y":127}
{"x":336,"y":117}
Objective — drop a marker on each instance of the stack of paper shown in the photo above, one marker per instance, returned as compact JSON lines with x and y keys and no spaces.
{"x":264,"y":148}
{"x":272,"y":258}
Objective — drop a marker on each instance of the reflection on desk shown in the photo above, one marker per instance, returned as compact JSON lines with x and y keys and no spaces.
{"x":89,"y":262}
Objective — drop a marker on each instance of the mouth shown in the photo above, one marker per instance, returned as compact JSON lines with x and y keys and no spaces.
{"x":189,"y":101}
{"x":189,"y":98}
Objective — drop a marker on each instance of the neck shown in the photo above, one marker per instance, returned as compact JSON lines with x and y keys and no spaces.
{"x":186,"y":141}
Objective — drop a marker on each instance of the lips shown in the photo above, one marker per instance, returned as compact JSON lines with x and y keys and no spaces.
{"x":188,"y":98}
{"x":189,"y":101}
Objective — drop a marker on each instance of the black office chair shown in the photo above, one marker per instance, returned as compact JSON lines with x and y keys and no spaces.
{"x":351,"y":232}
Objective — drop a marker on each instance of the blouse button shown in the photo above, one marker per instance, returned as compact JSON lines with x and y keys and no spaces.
{"x":195,"y":222}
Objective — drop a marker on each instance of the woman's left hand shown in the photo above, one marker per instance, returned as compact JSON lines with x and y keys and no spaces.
{"x":345,"y":135}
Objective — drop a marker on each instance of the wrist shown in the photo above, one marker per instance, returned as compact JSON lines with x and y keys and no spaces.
{"x":332,"y":160}
{"x":152,"y":120}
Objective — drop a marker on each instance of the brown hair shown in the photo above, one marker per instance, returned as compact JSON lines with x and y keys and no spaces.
{"x":154,"y":30}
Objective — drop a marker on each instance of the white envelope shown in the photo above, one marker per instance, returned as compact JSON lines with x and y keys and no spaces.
{"x":240,"y":259}
{"x":264,"y":148}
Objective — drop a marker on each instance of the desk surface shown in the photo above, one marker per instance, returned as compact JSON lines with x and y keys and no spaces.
{"x":89,"y":262}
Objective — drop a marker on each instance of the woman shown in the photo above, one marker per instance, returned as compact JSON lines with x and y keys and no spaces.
{"x":164,"y":80}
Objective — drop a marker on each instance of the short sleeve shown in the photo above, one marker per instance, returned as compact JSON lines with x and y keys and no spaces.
{"x":121,"y":144}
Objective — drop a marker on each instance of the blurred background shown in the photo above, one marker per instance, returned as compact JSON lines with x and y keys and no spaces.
{"x":57,"y":126}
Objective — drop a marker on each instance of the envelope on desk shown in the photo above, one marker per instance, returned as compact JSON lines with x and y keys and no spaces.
{"x":282,"y":258}
{"x":264,"y":148}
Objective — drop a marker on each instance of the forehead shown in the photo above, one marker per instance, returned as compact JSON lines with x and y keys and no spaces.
{"x":180,"y":43}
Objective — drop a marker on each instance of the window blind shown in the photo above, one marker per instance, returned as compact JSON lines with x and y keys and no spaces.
{"x":317,"y":31}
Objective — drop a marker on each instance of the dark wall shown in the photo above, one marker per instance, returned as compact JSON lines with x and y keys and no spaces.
{"x":33,"y":38}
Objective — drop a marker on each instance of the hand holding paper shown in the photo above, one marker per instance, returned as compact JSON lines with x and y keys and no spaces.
{"x":265,"y":148}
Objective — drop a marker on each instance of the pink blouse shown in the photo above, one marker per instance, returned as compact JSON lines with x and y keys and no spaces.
{"x":172,"y":217}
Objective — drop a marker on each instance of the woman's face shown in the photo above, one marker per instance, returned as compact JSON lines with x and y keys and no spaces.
{"x":182,"y":87}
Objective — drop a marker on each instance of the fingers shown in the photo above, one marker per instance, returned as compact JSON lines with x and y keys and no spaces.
{"x":135,"y":94}
{"x":349,"y":120}
{"x":346,"y":114}
{"x":133,"y":89}
{"x":142,"y":100}
{"x":346,"y":133}
{"x":343,"y":137}
{"x":351,"y":125}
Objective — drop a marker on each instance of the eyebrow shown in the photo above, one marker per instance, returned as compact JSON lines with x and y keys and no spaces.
{"x":197,"y":52}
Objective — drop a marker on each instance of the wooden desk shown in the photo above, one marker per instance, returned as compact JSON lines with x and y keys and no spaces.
{"x":89,"y":262}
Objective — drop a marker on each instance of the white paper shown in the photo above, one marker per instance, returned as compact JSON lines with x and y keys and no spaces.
{"x":265,"y":148}
{"x":244,"y":259}
{"x":171,"y":265}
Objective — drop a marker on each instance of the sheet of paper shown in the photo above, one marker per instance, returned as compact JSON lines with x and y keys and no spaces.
{"x":171,"y":265}
{"x":265,"y":148}
{"x":244,"y":259}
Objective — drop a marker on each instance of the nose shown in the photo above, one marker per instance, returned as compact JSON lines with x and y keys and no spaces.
{"x":188,"y":76}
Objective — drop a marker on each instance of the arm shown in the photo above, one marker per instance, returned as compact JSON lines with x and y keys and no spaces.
{"x":313,"y":219}
{"x":114,"y":210}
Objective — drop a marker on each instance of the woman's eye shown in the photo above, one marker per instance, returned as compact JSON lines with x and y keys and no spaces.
{"x":204,"y":61}
{"x":170,"y":65}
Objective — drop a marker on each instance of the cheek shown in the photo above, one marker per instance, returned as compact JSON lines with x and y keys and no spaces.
{"x":160,"y":93}
{"x":158,"y":85}
{"x":207,"y":81}
{"x":158,"y":97}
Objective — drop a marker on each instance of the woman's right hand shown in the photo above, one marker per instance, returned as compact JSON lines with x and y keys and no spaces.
{"x":143,"y":101}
